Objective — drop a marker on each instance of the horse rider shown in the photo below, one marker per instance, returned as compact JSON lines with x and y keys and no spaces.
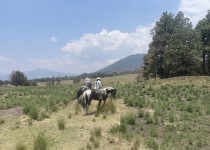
{"x":87,"y":84}
{"x":98,"y":87}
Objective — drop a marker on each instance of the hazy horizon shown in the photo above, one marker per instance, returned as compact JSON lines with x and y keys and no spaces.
{"x":81,"y":36}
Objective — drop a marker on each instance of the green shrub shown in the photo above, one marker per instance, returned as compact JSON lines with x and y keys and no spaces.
{"x":128,"y":119}
{"x":2,"y":121}
{"x":122,"y":128}
{"x":40,"y":142}
{"x":151,"y":143}
{"x":153,"y":132}
{"x":30,"y":123}
{"x":61,"y":123}
{"x":148,"y":118}
{"x":140,"y":113}
{"x":171,"y":117}
{"x":96,"y":132}
{"x":33,"y":113}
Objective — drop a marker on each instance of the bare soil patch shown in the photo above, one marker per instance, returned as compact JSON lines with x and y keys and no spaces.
{"x":17,"y":111}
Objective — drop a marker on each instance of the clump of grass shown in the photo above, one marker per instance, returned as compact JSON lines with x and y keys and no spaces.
{"x":95,"y":136}
{"x":31,"y":110}
{"x":136,"y":143}
{"x":69,"y":115}
{"x":171,"y":117}
{"x":34,"y":114}
{"x":151,"y":143}
{"x":30,"y":123}
{"x":104,"y":116}
{"x":20,"y":146}
{"x":2,"y":121}
{"x":140,"y":113}
{"x":128,"y":119}
{"x":94,"y":120}
{"x":77,"y":108}
{"x":96,"y":132}
{"x":89,"y":146}
{"x":121,"y":128}
{"x":148,"y":118}
{"x":108,"y":107}
{"x":153,"y":132}
{"x":40,"y":142}
{"x":61,"y":123}
{"x":43,"y":115}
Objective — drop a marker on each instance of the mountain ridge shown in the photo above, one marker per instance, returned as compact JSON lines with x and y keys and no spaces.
{"x":39,"y":73}
{"x":129,"y":63}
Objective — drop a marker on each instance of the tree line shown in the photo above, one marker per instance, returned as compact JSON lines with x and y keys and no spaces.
{"x":178,"y":48}
{"x":18,"y":78}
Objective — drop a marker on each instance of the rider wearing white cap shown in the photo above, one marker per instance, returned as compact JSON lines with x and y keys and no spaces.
{"x":98,"y":86}
{"x":87,"y":83}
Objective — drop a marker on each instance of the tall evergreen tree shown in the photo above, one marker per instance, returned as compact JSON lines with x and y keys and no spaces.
{"x":203,"y":27}
{"x":174,"y":50}
{"x":154,"y":60}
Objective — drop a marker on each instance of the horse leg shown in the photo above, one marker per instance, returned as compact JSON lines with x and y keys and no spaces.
{"x":86,"y":109}
{"x":99,"y":103}
{"x":104,"y":101}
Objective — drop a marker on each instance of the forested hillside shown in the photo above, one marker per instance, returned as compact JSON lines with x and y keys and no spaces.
{"x":178,"y":48}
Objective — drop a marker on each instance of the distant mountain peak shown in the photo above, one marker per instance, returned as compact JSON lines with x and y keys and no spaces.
{"x":39,"y":73}
{"x":129,"y":63}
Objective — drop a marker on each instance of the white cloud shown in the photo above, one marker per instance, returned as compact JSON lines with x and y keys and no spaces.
{"x":65,"y":64}
{"x":55,"y":64}
{"x":92,"y":52}
{"x":194,"y":9}
{"x":53,"y":39}
{"x":4,"y":59}
{"x":111,"y":61}
{"x":113,"y":41}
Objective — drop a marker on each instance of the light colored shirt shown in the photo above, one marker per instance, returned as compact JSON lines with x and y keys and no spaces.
{"x":98,"y":84}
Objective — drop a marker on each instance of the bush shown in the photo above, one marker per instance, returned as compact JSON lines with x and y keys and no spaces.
{"x":34,"y":114}
{"x":40,"y":142}
{"x":31,"y":110}
{"x":150,"y":142}
{"x":140,"y":113}
{"x":96,"y":132}
{"x":122,"y":128}
{"x":1,"y":121}
{"x":148,"y":118}
{"x":61,"y":124}
{"x":128,"y":119}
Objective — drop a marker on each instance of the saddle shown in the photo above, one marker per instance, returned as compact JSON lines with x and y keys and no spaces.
{"x":99,"y":93}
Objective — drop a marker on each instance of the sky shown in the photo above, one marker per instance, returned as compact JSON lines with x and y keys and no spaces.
{"x":81,"y":36}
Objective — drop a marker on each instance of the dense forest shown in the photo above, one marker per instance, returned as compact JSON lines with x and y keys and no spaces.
{"x":178,"y":48}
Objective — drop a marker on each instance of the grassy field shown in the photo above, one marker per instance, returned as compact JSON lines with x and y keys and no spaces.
{"x":163,"y":114}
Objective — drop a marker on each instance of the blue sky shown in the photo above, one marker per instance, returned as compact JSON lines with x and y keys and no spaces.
{"x":77,"y":36}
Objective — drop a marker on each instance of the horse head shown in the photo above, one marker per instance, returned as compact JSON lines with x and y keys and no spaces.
{"x":111,"y":90}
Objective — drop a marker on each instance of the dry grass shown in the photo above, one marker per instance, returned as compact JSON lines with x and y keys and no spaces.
{"x":76,"y":133}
